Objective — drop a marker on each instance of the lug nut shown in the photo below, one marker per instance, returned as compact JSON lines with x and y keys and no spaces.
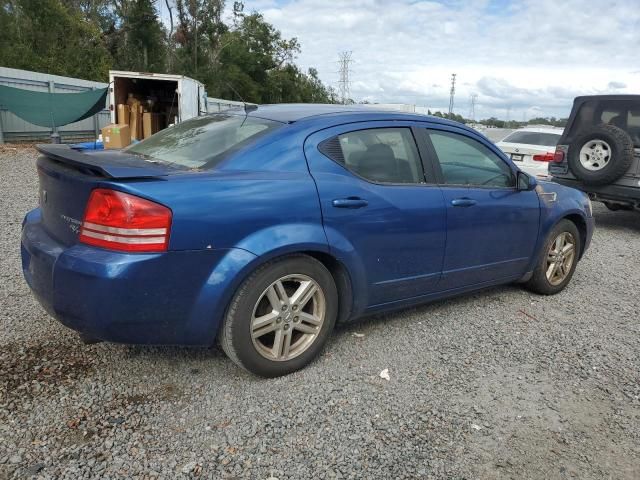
{"x":284,"y":307}
{"x":279,"y":320}
{"x":295,"y":307}
{"x":295,"y":319}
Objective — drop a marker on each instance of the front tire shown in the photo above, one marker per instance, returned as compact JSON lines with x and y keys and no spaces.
{"x":281,"y":316}
{"x":557,"y":261}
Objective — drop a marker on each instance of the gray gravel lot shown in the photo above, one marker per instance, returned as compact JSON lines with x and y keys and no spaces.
{"x":501,"y":384}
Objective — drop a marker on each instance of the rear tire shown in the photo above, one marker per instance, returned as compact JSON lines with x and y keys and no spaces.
{"x":557,"y":261}
{"x":281,"y":316}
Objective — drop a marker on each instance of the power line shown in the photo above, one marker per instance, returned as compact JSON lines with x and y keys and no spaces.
{"x":453,"y":92}
{"x":345,"y":82}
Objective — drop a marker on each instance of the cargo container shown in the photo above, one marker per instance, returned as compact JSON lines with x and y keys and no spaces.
{"x":174,"y":97}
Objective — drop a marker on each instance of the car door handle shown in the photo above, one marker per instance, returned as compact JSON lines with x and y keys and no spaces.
{"x":351,"y":202}
{"x":463,"y":202}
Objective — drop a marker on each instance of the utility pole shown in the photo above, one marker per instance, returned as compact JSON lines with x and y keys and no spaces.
{"x":453,"y":93}
{"x":472,"y":109}
{"x":344,"y":82}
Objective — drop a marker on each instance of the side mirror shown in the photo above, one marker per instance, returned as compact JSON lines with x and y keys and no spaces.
{"x":526,"y":182}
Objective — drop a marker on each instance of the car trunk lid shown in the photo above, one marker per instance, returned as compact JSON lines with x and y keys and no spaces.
{"x":519,"y":152}
{"x":67,"y":177}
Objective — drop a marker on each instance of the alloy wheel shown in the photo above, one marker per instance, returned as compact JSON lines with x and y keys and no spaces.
{"x":595,"y":155}
{"x":560,"y":258}
{"x":288,"y":317}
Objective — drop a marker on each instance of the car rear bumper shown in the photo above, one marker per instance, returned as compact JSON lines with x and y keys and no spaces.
{"x":618,"y":193}
{"x":175,"y":298}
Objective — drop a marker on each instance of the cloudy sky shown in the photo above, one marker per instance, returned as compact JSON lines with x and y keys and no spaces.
{"x":523,"y":58}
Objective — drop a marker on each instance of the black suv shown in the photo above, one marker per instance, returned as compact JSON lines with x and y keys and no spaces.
{"x":599,"y":151}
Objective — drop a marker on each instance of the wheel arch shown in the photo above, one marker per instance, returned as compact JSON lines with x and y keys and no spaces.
{"x":581,"y":225}
{"x":337,"y":269}
{"x":342,"y":279}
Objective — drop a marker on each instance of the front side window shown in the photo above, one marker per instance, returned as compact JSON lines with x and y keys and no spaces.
{"x":202,"y":141}
{"x":380,"y":155}
{"x":465,"y":161}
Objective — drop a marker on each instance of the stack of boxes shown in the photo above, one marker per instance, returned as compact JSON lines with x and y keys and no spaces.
{"x":135,"y":122}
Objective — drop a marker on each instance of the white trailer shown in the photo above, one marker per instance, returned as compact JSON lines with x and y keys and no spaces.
{"x":177,"y":97}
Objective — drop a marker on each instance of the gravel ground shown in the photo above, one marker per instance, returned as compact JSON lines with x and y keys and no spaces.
{"x":501,"y":384}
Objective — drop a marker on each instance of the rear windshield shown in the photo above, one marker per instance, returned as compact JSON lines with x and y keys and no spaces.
{"x":534,"y":138}
{"x":202,"y":141}
{"x":624,"y":114}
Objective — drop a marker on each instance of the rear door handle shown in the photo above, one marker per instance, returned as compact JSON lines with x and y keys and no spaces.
{"x":351,"y":202}
{"x":463,"y":202}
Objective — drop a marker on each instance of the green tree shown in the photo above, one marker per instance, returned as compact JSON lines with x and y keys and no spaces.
{"x":140,"y":37}
{"x":51,"y":37}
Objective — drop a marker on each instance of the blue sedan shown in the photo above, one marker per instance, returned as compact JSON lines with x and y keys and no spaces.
{"x":263,"y":227}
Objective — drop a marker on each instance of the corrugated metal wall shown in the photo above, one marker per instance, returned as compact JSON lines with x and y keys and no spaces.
{"x":14,"y":129}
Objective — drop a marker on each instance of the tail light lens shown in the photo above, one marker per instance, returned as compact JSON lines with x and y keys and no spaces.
{"x":120,"y":221}
{"x":545,"y":157}
{"x":558,"y":156}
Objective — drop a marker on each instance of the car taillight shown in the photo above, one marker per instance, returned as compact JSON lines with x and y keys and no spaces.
{"x":120,"y":221}
{"x":545,"y":157}
{"x":558,"y":156}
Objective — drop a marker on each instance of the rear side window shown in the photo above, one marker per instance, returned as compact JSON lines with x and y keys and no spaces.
{"x":534,"y":138}
{"x":202,"y":141}
{"x":465,"y":161}
{"x":380,"y":155}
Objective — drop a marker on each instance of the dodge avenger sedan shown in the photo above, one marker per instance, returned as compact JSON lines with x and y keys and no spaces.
{"x":262,"y":228}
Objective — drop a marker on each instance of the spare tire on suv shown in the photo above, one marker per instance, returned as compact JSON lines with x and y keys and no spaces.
{"x":601,"y":155}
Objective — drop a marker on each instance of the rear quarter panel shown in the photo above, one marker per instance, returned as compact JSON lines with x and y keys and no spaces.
{"x":255,"y":211}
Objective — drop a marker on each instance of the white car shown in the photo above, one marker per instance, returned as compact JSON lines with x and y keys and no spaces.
{"x":532,"y":148}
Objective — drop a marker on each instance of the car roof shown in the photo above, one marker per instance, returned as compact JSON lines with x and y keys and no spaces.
{"x":294,"y":112}
{"x":556,"y":130}
{"x":584,"y":98}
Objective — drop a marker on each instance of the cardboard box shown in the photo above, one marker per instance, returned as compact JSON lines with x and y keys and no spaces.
{"x":116,"y":136}
{"x":150,"y":124}
{"x":124,"y":113}
{"x":135,"y":119}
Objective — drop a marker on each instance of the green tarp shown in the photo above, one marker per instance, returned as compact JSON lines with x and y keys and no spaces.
{"x":52,"y":109}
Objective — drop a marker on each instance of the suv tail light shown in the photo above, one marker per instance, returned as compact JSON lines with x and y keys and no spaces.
{"x":558,"y":156}
{"x":545,"y":157}
{"x":120,"y":221}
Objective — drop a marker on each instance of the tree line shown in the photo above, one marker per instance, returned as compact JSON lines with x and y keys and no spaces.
{"x":242,"y":58}
{"x":497,"y":123}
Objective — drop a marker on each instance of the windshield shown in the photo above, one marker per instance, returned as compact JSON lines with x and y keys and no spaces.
{"x":202,"y":141}
{"x":534,"y":138}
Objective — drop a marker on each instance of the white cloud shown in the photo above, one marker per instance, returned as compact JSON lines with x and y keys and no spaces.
{"x":526,"y":57}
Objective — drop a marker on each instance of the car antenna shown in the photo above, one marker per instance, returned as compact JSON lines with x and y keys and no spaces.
{"x":247,"y":107}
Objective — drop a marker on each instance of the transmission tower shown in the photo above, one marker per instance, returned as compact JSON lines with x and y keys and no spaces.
{"x":453,"y":92}
{"x":472,"y":108}
{"x":344,"y":82}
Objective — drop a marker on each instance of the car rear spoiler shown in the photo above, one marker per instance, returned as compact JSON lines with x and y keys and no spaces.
{"x":106,"y":163}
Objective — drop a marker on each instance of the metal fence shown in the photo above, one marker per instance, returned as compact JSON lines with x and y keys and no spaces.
{"x":14,"y":129}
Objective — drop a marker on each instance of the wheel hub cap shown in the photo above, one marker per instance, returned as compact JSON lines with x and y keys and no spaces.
{"x":595,"y":155}
{"x":560,"y":258}
{"x":288,"y":317}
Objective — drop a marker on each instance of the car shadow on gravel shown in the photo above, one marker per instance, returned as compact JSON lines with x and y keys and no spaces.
{"x":618,"y":221}
{"x":460,"y":301}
